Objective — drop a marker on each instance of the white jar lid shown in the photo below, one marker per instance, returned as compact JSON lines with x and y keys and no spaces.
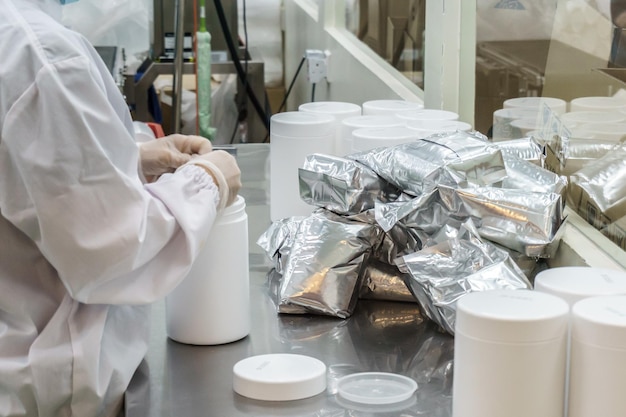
{"x":597,"y":103}
{"x":389,"y":106}
{"x":573,"y":283}
{"x":279,"y":377}
{"x":557,"y":105}
{"x":600,"y":321}
{"x":435,"y":126}
{"x":368,"y":138}
{"x":427,"y":114}
{"x":574,"y":118}
{"x":375,"y":388}
{"x":514,"y":113}
{"x":606,"y":131}
{"x":374,"y":120}
{"x":511,"y":316}
{"x":338,"y":109}
{"x":302,"y":124}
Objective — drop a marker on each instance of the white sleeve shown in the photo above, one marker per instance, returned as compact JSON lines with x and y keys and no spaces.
{"x":77,"y":194}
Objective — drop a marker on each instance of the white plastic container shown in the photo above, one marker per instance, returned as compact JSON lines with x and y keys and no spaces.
{"x":389,"y":107}
{"x":577,"y":118}
{"x":339,"y":110}
{"x":557,"y":105}
{"x":502,"y":119}
{"x":211,"y":305}
{"x":369,"y":138}
{"x":351,"y":124}
{"x":599,"y":103}
{"x":509,"y":354}
{"x":598,"y":357}
{"x":427,"y":114}
{"x":294,"y":136}
{"x":425,"y":128}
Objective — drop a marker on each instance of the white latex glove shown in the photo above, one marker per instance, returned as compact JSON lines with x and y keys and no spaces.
{"x":166,"y":154}
{"x":223,"y":167}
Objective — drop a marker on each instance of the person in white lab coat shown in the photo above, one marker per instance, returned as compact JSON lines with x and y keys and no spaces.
{"x":85,"y":242}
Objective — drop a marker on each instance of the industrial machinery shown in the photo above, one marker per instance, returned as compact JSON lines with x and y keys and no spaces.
{"x":172,"y":53}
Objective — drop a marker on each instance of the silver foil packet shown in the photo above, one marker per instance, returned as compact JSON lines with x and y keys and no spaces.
{"x":342,"y":185}
{"x":524,"y":175}
{"x":573,"y":154}
{"x":527,"y":148}
{"x":444,"y":272}
{"x":385,"y":282}
{"x":456,"y":158}
{"x":278,"y":238}
{"x":324,"y":268}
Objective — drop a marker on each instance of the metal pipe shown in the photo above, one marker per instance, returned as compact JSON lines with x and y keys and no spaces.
{"x":179,"y":41}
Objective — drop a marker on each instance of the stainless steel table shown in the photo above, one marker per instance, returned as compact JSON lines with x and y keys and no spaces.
{"x":185,"y":380}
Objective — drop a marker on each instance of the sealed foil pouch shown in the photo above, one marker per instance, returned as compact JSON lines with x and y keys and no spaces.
{"x":527,"y":148}
{"x":385,"y":282}
{"x":570,"y":154}
{"x":324,"y":268}
{"x":603,"y":184}
{"x":524,"y":175}
{"x":443,"y":273}
{"x":278,"y":238}
{"x":449,"y":158}
{"x":525,"y":221}
{"x":342,"y":185}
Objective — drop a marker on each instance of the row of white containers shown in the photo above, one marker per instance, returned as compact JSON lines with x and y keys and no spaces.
{"x":341,"y":128}
{"x":585,"y":117}
{"x":558,"y":350}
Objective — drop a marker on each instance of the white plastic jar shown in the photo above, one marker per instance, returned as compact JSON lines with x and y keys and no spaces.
{"x":509,"y":354}
{"x":211,"y":305}
{"x":293,"y":136}
{"x":598,"y":357}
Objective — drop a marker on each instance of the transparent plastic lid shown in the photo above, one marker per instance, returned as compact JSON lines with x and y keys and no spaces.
{"x":376,"y":388}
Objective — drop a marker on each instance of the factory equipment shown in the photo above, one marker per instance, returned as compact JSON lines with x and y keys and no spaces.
{"x":172,"y":53}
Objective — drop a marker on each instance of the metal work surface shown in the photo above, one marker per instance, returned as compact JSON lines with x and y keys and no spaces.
{"x":383,"y":336}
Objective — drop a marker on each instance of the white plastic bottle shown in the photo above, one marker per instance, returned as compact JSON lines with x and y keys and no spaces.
{"x":212,"y":304}
{"x":509,"y":354}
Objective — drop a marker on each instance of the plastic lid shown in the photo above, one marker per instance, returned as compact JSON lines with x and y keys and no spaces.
{"x":513,"y":113}
{"x":596,"y":103}
{"x":369,"y":138}
{"x":302,"y":124}
{"x":600,"y":321}
{"x":435,"y":126}
{"x":576,"y":117}
{"x":338,"y":109}
{"x":376,"y":388}
{"x":389,"y":106}
{"x":511,"y":316}
{"x":607,"y":131}
{"x":371,"y":121}
{"x":573,"y":283}
{"x":279,"y":377}
{"x":557,"y":105}
{"x":427,"y":114}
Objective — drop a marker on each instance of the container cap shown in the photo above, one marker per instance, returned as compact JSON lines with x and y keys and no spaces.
{"x":511,"y":316}
{"x":389,"y":106}
{"x":436,"y":126}
{"x":339,"y":109}
{"x":363,"y":121}
{"x":427,"y":114}
{"x":513,"y":113}
{"x":600,"y":321}
{"x":573,"y":283}
{"x":302,"y":124}
{"x":597,"y":103}
{"x":576,"y":117}
{"x":557,"y":105}
{"x":279,"y":377}
{"x":376,"y":388}
{"x":369,"y":138}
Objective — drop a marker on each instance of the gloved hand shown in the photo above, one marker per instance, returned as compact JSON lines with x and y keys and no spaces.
{"x":166,"y":154}
{"x":223,"y":167}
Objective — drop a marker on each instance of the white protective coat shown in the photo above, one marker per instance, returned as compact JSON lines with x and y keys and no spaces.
{"x":85,"y":245}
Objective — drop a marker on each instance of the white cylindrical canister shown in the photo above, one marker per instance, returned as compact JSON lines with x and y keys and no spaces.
{"x":389,"y":107}
{"x":598,"y":357}
{"x":369,"y":138}
{"x":294,"y":136}
{"x":557,"y":105}
{"x":427,"y":114}
{"x":351,"y":124}
{"x":509,"y":354}
{"x":594,"y":103}
{"x":339,"y":110}
{"x":502,"y":119}
{"x":574,"y":283}
{"x":425,"y":128}
{"x":211,"y":305}
{"x":577,"y":118}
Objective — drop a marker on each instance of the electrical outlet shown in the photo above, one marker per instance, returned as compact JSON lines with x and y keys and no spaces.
{"x":317,"y":65}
